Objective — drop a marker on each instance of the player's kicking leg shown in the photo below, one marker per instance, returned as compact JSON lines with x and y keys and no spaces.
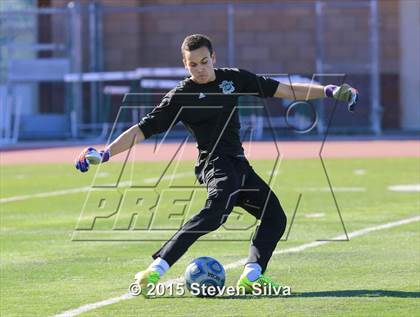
{"x":223,"y":184}
{"x":262,"y":203}
{"x":144,"y":280}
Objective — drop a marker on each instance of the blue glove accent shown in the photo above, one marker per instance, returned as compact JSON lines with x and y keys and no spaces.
{"x":82,"y":163}
{"x":329,"y":90}
{"x":105,"y":155}
{"x":353,"y":100}
{"x":343,"y":93}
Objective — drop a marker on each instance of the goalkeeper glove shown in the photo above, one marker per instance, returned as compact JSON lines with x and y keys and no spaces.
{"x":91,"y":156}
{"x":343,"y":93}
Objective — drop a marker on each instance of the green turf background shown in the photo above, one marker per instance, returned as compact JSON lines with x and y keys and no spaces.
{"x":44,"y":272}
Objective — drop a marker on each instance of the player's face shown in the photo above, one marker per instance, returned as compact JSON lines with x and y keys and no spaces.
{"x":199,"y":64}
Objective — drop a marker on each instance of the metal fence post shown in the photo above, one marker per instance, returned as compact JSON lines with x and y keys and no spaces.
{"x":376,"y":110}
{"x":76,"y":66}
{"x":100,"y":54}
{"x":231,"y":35}
{"x":319,"y":29}
{"x":93,"y":59}
{"x":10,"y":92}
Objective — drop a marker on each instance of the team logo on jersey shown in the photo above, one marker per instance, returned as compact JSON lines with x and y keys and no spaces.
{"x":227,"y":87}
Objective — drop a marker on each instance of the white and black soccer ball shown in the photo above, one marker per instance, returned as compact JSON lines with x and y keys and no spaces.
{"x":204,"y":272}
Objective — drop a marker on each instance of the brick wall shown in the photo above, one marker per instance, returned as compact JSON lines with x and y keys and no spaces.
{"x":389,"y":36}
{"x":276,"y":40}
{"x":270,"y":40}
{"x":266,"y":40}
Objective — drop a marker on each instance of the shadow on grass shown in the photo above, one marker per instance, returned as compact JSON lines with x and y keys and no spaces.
{"x":359,"y":293}
{"x":339,"y":293}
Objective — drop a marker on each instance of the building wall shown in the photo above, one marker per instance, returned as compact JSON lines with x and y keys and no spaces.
{"x":389,"y":62}
{"x":410,"y":65}
{"x":267,"y":40}
{"x":263,"y":36}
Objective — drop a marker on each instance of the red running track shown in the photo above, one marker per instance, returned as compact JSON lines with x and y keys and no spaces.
{"x":255,"y":150}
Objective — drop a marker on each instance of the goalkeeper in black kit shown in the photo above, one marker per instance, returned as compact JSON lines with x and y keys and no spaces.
{"x":205,"y":102}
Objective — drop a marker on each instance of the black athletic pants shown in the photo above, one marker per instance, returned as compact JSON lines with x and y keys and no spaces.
{"x":231,"y":182}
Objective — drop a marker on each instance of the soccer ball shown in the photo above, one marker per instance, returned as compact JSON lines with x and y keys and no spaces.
{"x":202,"y":274}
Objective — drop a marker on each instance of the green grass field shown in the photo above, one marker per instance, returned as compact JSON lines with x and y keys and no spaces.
{"x":44,"y":272}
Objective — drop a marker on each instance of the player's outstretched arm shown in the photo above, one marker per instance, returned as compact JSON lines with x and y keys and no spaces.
{"x":299,"y":91}
{"x":126,"y":140}
{"x":344,"y":92}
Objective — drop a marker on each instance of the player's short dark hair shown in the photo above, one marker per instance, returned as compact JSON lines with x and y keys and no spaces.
{"x":195,"y":41}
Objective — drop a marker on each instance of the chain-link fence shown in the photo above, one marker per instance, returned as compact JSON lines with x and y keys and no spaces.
{"x":311,"y":39}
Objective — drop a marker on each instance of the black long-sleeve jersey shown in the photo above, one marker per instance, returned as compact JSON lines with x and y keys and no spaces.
{"x":209,"y":111}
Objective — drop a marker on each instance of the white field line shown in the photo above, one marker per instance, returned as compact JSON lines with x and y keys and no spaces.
{"x":405,"y":188}
{"x":316,"y":215}
{"x":357,"y":233}
{"x":150,"y":180}
{"x":359,"y":172}
{"x":335,"y":189}
{"x":46,"y":194}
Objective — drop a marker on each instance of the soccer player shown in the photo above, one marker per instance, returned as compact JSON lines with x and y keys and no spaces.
{"x":205,"y":102}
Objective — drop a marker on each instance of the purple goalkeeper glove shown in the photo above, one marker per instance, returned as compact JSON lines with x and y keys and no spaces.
{"x":343,"y":93}
{"x":91,"y":156}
